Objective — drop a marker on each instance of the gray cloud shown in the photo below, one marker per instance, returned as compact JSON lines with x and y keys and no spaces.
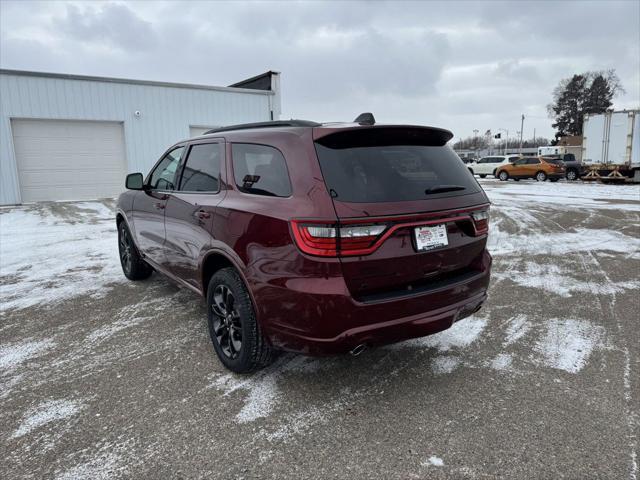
{"x":114,"y":24}
{"x":461,"y":65}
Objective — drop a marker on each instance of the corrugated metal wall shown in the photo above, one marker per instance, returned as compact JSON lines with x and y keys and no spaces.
{"x":166,"y":112}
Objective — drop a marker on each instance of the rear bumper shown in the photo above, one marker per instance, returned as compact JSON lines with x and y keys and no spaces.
{"x":329,"y":321}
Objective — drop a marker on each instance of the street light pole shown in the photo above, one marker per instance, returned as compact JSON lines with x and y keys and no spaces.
{"x":506,"y":140}
{"x":521,"y":132}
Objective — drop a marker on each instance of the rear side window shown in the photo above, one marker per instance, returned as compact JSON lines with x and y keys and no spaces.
{"x":202,"y":169}
{"x":260,"y":170}
{"x":392,"y":173}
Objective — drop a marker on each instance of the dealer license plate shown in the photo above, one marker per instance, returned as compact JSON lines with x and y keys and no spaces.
{"x":428,"y":238}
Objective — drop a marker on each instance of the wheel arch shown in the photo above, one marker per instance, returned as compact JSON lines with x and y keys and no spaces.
{"x":215,"y":260}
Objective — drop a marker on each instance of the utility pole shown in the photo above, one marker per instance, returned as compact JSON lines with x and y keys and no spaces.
{"x":506,"y":140}
{"x":521,"y":131}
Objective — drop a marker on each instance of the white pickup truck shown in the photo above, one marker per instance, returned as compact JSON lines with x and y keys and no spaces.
{"x":488,"y":165}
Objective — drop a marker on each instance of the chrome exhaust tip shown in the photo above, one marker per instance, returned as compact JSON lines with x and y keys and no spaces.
{"x":358,"y":350}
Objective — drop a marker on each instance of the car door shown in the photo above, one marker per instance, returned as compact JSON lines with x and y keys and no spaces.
{"x":519,"y":168}
{"x":191,"y":208}
{"x":483,"y":166}
{"x":493,"y":163}
{"x":149,"y":206}
{"x":532,"y":167}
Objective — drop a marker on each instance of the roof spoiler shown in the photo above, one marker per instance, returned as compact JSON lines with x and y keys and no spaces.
{"x":382,"y":135}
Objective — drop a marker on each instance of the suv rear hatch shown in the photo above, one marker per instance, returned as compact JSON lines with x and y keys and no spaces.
{"x":410,"y":216}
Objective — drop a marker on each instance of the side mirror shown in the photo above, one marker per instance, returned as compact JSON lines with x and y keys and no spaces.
{"x":135,"y":181}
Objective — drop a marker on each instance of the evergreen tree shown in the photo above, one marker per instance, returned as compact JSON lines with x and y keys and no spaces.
{"x":599,"y":96}
{"x":589,"y":92}
{"x":568,"y":108}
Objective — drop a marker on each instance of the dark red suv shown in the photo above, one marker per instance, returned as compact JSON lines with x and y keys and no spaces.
{"x":312,"y":238}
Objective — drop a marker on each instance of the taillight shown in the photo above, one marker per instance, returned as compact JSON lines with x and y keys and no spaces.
{"x":331,"y":240}
{"x":352,"y":237}
{"x":480,"y":221}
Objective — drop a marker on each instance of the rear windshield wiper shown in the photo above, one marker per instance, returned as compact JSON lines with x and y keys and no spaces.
{"x":443,"y":188}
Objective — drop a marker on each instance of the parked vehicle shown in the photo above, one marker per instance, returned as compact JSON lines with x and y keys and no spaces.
{"x":611,"y":146}
{"x":488,"y":165}
{"x":573,"y":169}
{"x":561,"y":150}
{"x":312,"y":238}
{"x":539,"y":168}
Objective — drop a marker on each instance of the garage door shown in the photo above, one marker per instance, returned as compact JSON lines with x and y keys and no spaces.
{"x":69,"y":160}
{"x":195,"y":131}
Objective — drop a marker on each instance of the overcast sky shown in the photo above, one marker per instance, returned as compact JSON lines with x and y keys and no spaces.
{"x":459,"y":65}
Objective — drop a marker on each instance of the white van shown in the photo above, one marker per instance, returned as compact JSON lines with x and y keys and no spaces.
{"x":488,"y":165}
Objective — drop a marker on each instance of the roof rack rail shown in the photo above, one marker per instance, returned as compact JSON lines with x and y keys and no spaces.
{"x":273,"y":123}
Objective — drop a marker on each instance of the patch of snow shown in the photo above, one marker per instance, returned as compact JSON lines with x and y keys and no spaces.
{"x":565,"y":194}
{"x":460,"y":335}
{"x":558,"y":244}
{"x":553,"y":279}
{"x":103,"y":467}
{"x":46,"y":412}
{"x":262,"y":393}
{"x":445,"y":364}
{"x":260,"y":401}
{"x":517,"y":328}
{"x":299,"y":422}
{"x":433,"y":460}
{"x":14,"y":354}
{"x":502,"y":362}
{"x":52,"y":252}
{"x":567,"y":344}
{"x":262,"y":387}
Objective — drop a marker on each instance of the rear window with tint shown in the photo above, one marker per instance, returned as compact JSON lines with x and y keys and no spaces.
{"x":260,"y":170}
{"x":555,"y":161}
{"x":202,"y":169}
{"x":392,"y":173}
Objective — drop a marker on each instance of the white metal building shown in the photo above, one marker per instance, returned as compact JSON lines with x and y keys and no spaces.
{"x":72,"y":137}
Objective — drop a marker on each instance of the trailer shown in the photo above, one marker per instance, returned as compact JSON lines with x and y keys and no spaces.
{"x":611,"y":146}
{"x":561,"y":150}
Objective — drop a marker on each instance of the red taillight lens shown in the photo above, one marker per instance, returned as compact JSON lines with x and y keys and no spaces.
{"x":331,"y":240}
{"x":480,"y":221}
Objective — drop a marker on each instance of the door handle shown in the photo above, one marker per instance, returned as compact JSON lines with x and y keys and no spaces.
{"x":202,"y":215}
{"x":159,"y":206}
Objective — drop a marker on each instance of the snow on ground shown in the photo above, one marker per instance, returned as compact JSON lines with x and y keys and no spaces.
{"x":567,"y":343}
{"x":570,"y":195}
{"x":47,"y":412}
{"x":460,"y":335}
{"x":552,"y":278}
{"x":13,"y":354}
{"x":54,"y":251}
{"x":434,"y":461}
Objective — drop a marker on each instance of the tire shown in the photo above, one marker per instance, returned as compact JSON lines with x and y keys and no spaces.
{"x":133,"y":266}
{"x":541,"y":176}
{"x":233,"y":326}
{"x":494,"y":174}
{"x":503,"y":176}
{"x":482,"y":175}
{"x":572,"y":175}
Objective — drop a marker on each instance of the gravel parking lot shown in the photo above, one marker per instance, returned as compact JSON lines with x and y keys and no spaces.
{"x":104,"y":378}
